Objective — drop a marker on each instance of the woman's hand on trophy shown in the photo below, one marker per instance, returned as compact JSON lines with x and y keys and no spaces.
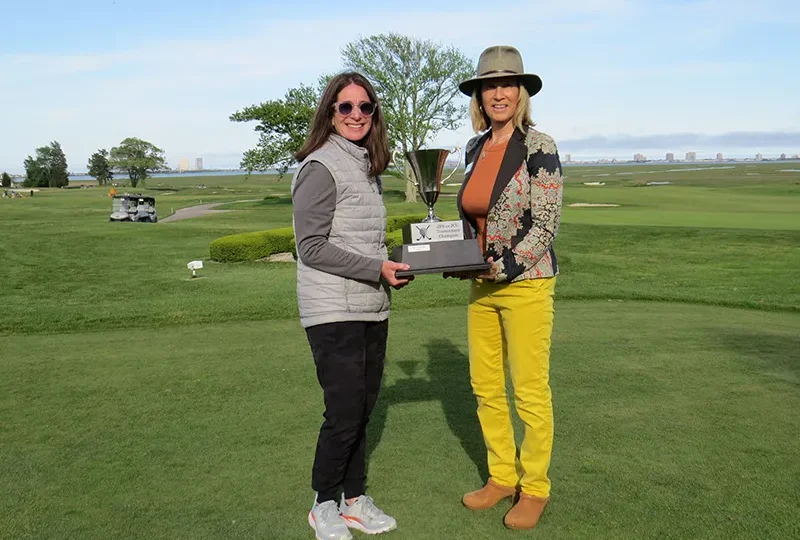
{"x":388,"y":271}
{"x":491,"y":275}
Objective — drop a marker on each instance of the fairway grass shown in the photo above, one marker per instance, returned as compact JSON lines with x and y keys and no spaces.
{"x":138,"y":403}
{"x":672,"y":421}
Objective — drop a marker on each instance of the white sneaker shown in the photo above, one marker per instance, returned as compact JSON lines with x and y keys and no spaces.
{"x":364,"y":516}
{"x":327,"y":522}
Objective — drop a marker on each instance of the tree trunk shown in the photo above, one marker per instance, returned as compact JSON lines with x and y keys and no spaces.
{"x":411,"y":189}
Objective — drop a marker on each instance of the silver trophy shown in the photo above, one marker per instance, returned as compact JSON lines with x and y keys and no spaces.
{"x":427,"y":166}
{"x":433,"y":245}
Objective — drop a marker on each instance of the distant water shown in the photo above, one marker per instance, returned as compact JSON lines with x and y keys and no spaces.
{"x":696,"y":165}
{"x":122,"y":177}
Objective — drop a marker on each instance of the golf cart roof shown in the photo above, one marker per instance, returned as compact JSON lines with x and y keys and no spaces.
{"x":138,"y":197}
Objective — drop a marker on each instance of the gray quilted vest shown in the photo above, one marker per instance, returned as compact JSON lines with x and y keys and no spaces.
{"x":359,"y":226}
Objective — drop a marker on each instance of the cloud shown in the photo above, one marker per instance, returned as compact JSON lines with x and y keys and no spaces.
{"x":593,"y":54}
{"x":718,"y":13}
{"x":49,"y":65}
{"x":179,"y":92}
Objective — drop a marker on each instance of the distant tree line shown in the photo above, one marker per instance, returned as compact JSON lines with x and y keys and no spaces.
{"x":134,"y":157}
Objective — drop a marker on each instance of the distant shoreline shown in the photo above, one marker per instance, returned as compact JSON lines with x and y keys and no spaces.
{"x":679,"y":162}
{"x":80,"y":176}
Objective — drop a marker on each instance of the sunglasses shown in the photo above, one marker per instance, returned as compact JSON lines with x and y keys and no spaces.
{"x":345,"y":108}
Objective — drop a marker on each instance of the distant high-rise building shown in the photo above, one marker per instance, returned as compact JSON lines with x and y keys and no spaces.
{"x":691,"y":156}
{"x":198,"y":164}
{"x":639,"y":158}
{"x":183,"y":165}
{"x":783,"y":156}
{"x":567,"y":158}
{"x":759,"y":157}
{"x":719,"y":156}
{"x":795,"y":156}
{"x":670,"y":156}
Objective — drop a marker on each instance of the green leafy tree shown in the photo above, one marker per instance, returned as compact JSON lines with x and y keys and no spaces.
{"x":48,"y":168}
{"x":35,"y":173}
{"x":282,"y":127}
{"x":100,"y":168}
{"x":6,"y":181}
{"x":417,"y":83}
{"x":137,"y":158}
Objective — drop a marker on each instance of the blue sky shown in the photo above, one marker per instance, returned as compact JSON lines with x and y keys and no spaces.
{"x":620,"y":76}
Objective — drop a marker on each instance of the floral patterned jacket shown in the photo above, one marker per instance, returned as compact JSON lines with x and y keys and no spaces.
{"x":524,"y":208}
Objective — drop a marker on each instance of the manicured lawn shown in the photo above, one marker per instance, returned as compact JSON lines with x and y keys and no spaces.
{"x":136,"y":402}
{"x":672,"y":421}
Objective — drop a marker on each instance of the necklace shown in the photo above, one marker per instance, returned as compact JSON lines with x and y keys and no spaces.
{"x":486,"y":145}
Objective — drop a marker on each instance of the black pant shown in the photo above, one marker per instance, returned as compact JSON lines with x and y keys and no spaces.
{"x":349,"y":358}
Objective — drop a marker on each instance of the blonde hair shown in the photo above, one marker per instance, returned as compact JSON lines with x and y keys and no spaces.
{"x":522,"y":116}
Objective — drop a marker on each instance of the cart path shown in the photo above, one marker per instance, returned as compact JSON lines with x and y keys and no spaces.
{"x":200,"y":210}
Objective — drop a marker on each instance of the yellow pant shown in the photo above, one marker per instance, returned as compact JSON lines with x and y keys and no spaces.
{"x":514,"y":321}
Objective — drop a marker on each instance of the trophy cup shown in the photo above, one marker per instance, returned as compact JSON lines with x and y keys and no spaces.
{"x":432,"y":245}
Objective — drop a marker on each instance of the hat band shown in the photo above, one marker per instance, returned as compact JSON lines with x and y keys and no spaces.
{"x":498,"y":71}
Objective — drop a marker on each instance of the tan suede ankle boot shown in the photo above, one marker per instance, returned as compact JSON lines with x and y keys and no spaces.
{"x":488,"y":496}
{"x":526,"y":513}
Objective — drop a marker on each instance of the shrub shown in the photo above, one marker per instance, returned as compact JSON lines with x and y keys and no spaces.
{"x":253,"y":245}
{"x":397,"y":223}
{"x":394,"y":239}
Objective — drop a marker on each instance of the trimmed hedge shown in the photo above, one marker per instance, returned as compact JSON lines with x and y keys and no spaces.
{"x":252,"y":246}
{"x":394,"y":239}
{"x":397,"y":223}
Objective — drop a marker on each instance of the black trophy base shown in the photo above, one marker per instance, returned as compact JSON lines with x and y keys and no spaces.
{"x":440,"y":257}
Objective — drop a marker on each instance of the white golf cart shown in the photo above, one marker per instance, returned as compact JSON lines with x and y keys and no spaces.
{"x":133,"y":208}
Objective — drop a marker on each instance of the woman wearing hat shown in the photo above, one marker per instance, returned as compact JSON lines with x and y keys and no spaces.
{"x":510,"y":202}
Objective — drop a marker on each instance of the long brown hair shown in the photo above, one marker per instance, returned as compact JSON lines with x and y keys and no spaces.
{"x":377,"y":140}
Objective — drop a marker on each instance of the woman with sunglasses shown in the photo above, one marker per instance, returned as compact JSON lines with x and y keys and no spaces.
{"x":343,"y":279}
{"x":510,"y":201}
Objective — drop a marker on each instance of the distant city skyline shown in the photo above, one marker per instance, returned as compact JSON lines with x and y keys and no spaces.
{"x":699,"y":160}
{"x":185,"y":164}
{"x":567,"y":159}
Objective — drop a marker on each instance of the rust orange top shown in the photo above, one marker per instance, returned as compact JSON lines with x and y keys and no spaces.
{"x":478,"y":193}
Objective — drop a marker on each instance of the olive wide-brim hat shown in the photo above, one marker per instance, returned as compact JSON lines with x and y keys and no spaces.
{"x":498,"y":62}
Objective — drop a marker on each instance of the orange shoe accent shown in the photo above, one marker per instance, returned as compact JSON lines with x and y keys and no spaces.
{"x":488,"y":496}
{"x":526,"y":513}
{"x":352,"y":518}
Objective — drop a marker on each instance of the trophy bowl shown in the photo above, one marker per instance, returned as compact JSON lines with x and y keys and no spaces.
{"x":427,"y":166}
